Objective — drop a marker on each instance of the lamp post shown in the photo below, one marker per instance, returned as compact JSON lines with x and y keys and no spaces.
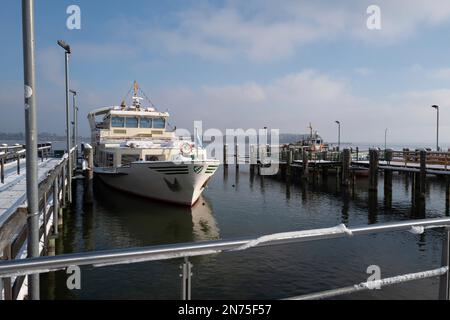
{"x":67,"y":53}
{"x":385,"y":139}
{"x":31,"y":141}
{"x":75,"y":124}
{"x":339,"y":134}
{"x":437,"y":126}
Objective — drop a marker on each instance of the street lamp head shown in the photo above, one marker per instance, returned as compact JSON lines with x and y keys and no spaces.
{"x":435,"y":107}
{"x":73,"y":92}
{"x":338,"y":122}
{"x":64,"y":45}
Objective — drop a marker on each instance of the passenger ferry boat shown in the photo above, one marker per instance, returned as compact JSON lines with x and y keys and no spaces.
{"x":135,"y":152}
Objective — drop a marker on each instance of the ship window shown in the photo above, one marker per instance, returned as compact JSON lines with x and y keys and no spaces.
{"x":151,"y":158}
{"x":117,"y":122}
{"x":159,"y":123}
{"x":131,"y":122}
{"x":146,"y":122}
{"x":129,"y":158}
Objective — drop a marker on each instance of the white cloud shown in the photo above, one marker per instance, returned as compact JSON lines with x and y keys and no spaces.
{"x":441,"y":74}
{"x":50,"y":65}
{"x":105,"y":51}
{"x":363,"y":71}
{"x":263,"y":31}
{"x":291,"y":102}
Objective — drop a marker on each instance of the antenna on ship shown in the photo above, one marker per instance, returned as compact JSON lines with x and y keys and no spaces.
{"x":135,"y":88}
{"x":136,"y":98}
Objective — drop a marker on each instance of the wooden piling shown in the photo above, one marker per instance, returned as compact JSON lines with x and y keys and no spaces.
{"x":388,"y":188}
{"x":225,"y":155}
{"x":423,"y":172}
{"x":236,"y":155}
{"x":89,"y":175}
{"x":373,"y":169}
{"x":324,"y":173}
{"x":253,"y":158}
{"x":289,"y":163}
{"x":447,"y":196}
{"x":346,"y":160}
{"x":51,"y":246}
{"x":305,"y":166}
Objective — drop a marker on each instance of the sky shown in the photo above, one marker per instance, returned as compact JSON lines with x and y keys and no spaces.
{"x":241,"y":64}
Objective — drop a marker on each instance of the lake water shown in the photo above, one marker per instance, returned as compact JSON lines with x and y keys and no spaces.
{"x":237,"y":205}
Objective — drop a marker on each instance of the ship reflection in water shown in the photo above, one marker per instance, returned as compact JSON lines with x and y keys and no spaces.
{"x":151,"y":222}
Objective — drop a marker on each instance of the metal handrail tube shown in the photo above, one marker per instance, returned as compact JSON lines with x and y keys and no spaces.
{"x":367,"y":285}
{"x":173,"y":251}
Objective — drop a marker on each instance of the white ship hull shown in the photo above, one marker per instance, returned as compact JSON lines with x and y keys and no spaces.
{"x":175,"y":182}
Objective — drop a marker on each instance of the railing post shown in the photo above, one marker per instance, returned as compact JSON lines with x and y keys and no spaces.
{"x":69,"y":180}
{"x":63,"y":186}
{"x":444,"y":287}
{"x":55,"y":206}
{"x":2,"y":173}
{"x":45,"y":221}
{"x":7,"y":285}
{"x":186,"y":269}
{"x":18,"y":164}
{"x":1,"y":289}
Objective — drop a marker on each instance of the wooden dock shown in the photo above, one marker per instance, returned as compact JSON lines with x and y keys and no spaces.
{"x":347,"y":166}
{"x":52,"y":177}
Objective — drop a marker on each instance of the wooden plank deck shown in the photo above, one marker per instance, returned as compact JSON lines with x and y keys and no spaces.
{"x":408,"y":166}
{"x":13,"y":191}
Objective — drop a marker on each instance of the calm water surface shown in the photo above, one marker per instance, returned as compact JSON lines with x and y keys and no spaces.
{"x":237,"y":205}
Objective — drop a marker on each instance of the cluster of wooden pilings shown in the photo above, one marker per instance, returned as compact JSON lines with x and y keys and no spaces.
{"x":87,"y":168}
{"x":300,"y":164}
{"x":53,"y":200}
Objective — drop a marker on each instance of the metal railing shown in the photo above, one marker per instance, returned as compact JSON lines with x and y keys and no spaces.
{"x":16,"y":153}
{"x":14,"y":231}
{"x":175,"y":251}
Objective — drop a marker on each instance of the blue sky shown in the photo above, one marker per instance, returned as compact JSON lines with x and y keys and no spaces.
{"x":242,"y":64}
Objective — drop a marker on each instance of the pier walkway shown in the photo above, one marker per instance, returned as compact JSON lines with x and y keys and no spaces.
{"x":13,"y":191}
{"x":53,"y":195}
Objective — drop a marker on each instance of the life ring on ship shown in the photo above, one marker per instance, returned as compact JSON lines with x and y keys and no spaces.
{"x":186,"y":149}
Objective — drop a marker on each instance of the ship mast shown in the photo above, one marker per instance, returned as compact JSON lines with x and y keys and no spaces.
{"x":136,"y":98}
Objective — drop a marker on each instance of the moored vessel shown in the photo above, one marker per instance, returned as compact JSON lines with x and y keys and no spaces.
{"x":134,"y":151}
